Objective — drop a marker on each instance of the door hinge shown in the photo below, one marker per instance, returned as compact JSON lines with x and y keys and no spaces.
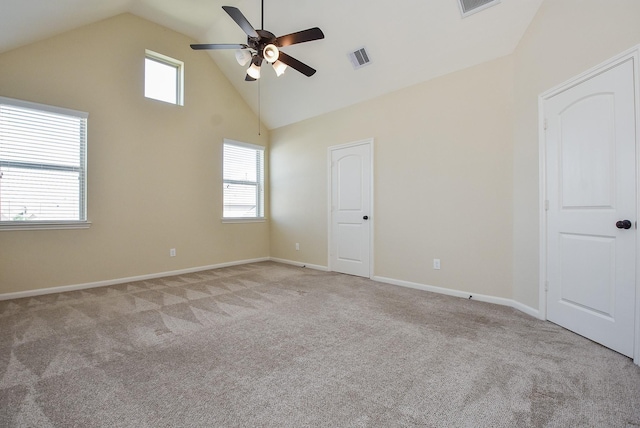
{"x":546,"y":205}
{"x":546,"y":285}
{"x":546,"y":124}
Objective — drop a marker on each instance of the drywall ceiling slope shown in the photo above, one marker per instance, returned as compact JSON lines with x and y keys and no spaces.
{"x":23,"y":22}
{"x":409,"y":41}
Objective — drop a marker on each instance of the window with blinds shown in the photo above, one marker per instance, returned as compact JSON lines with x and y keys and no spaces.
{"x":243,"y":180}
{"x":42,"y":164}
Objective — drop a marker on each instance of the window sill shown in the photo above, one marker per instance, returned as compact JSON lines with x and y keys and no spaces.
{"x":43,"y":225}
{"x":244,"y":220}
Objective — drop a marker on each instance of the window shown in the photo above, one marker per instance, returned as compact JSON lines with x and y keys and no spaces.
{"x":42,"y":165}
{"x":243,"y":180}
{"x":163,"y":78}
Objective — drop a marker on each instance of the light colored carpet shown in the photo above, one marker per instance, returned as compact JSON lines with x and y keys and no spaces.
{"x":272,"y":345}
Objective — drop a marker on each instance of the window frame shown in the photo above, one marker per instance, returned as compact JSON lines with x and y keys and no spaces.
{"x":166,"y":60}
{"x":260,"y":184}
{"x":82,"y":222}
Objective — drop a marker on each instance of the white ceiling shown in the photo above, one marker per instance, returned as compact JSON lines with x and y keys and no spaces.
{"x":409,"y":41}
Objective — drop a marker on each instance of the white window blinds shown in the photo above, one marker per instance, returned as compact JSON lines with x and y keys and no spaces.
{"x":42,"y":163}
{"x":243,"y":180}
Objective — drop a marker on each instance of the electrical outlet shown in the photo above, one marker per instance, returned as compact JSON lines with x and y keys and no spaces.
{"x":436,"y":263}
{"x":172,"y":252}
{"x":297,"y":246}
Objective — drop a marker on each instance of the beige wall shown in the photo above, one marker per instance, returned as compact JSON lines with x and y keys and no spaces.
{"x":467,"y":143}
{"x":566,"y":38}
{"x":456,"y":159}
{"x":443,"y":181}
{"x":154,"y":169}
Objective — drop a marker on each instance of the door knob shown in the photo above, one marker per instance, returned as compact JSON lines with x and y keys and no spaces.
{"x":623,"y":224}
{"x":367,"y":218}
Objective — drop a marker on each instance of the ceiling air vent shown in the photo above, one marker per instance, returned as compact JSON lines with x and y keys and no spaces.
{"x":359,"y":58}
{"x":469,"y":7}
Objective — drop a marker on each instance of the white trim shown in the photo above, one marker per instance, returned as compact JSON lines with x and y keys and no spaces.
{"x":244,"y":220}
{"x":370,"y":142}
{"x":372,"y":217}
{"x":542,"y":221}
{"x":43,"y":225}
{"x":526,"y":309}
{"x":243,"y":144}
{"x":463,"y":294}
{"x":477,"y":9}
{"x":261,"y":177}
{"x":44,"y":107}
{"x":65,"y":288}
{"x":179,"y":65}
{"x":634,"y":55}
{"x":299,"y":264}
{"x":329,"y":205}
{"x":80,"y":119}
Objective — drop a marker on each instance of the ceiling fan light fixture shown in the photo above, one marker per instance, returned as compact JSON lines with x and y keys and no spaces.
{"x":254,"y":70}
{"x":262,"y":44}
{"x":271,"y":53}
{"x":243,"y":56}
{"x":279,"y":67}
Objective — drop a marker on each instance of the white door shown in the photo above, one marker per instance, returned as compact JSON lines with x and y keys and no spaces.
{"x":591,"y":191}
{"x":349,"y":250}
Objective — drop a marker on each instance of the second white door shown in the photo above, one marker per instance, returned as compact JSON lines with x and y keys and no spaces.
{"x":350,"y":232}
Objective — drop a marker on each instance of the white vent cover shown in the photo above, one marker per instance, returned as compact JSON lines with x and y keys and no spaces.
{"x":359,"y":58}
{"x":469,"y":7}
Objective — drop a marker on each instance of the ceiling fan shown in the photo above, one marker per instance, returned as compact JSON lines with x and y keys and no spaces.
{"x":263,"y":45}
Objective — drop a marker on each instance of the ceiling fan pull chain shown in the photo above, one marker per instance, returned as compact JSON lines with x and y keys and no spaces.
{"x":259,"y":109}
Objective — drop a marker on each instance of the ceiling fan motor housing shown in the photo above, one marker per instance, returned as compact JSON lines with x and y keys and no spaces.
{"x":258,"y":44}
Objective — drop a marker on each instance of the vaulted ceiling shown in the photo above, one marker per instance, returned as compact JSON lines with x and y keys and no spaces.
{"x":409,"y":41}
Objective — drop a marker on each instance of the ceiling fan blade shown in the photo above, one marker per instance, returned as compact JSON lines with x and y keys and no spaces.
{"x":296,"y":65}
{"x":248,"y":78}
{"x":240,"y":19}
{"x":300,"y":37}
{"x":218,"y":46}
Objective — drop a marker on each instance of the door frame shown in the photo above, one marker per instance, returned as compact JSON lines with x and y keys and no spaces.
{"x":372,"y":217}
{"x":634,"y":55}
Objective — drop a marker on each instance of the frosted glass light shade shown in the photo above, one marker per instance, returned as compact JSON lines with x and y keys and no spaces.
{"x":279,"y":67}
{"x":243,"y":56}
{"x":254,"y":71}
{"x":271,"y":53}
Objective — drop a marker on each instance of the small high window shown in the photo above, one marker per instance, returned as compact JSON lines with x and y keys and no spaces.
{"x":163,"y":78}
{"x":243,"y":180}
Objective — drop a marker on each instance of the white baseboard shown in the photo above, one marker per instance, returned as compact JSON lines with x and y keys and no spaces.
{"x":457,"y":293}
{"x":527,"y":310}
{"x":480,"y":297}
{"x":299,"y":264}
{"x":63,"y":288}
